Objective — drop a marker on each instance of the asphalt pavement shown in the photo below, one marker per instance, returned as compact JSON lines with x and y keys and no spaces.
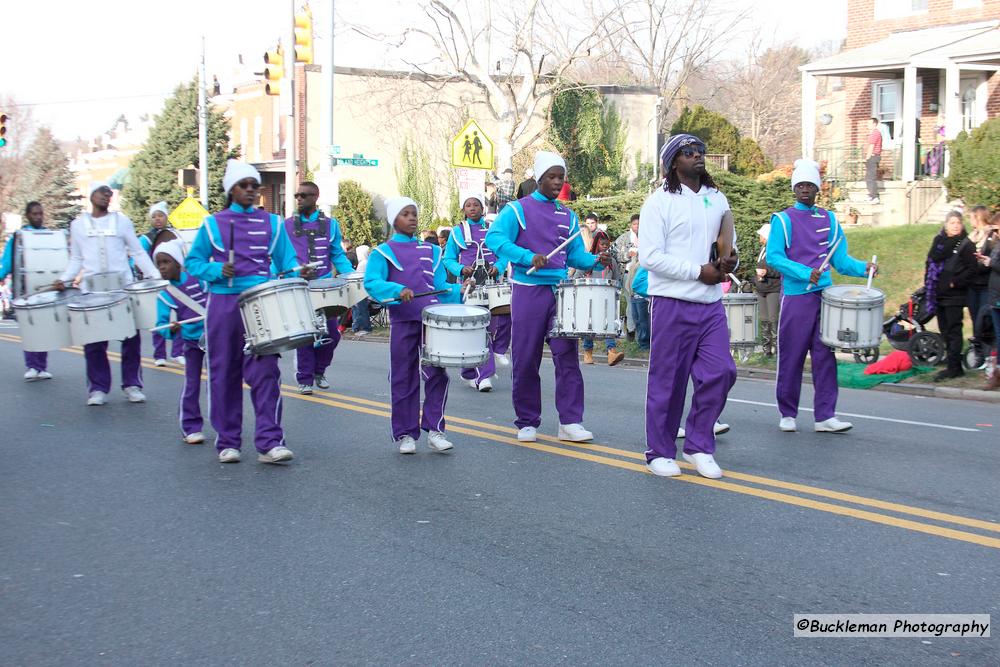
{"x":123,"y":546}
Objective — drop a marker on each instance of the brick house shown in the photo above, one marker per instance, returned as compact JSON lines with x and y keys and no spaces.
{"x":928,"y":69}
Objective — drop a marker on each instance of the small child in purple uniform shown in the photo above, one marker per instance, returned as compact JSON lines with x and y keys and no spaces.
{"x":397,"y":270}
{"x":186,"y":298}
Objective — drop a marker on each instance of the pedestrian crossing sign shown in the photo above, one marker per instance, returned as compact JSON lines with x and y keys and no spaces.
{"x":189,"y":214}
{"x":471,"y":148}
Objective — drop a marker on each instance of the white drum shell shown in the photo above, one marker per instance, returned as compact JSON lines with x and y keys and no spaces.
{"x":43,"y":323}
{"x":478,"y":297}
{"x":454,"y":336}
{"x":356,"y":287}
{"x":111,"y":281}
{"x":851,"y":317}
{"x":143,"y":296}
{"x":278,"y":316}
{"x":94,"y":318}
{"x":498,"y":298}
{"x":587,"y":307}
{"x":330,"y":298}
{"x":42,"y":256}
{"x":741,"y":316}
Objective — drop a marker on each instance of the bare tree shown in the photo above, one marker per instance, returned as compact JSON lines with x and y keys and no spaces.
{"x":20,"y":130}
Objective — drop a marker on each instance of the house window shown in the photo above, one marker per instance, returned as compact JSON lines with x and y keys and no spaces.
{"x":885,"y":104}
{"x":967,"y":4}
{"x":894,"y":9}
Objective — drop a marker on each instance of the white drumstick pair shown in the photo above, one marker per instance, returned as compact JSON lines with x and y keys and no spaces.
{"x":557,"y":249}
{"x":826,"y":260}
{"x":190,"y":320}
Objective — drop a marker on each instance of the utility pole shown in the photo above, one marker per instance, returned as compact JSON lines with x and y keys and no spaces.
{"x":292,"y":134}
{"x":202,"y":131}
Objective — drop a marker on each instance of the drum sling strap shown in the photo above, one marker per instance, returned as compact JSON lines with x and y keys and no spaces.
{"x":179,"y":295}
{"x":92,"y":231}
{"x":479,"y":273}
{"x":322,"y":229}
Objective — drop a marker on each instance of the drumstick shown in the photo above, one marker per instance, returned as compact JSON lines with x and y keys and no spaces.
{"x":232,"y":251}
{"x":871,"y":271}
{"x":190,"y":320}
{"x":739,"y":283}
{"x":557,"y":249}
{"x":826,"y":260}
{"x":431,"y":293}
{"x":311,"y":265}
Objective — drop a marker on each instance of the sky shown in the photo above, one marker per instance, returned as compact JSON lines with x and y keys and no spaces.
{"x":79,"y":65}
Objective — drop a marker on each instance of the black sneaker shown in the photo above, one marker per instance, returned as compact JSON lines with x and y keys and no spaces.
{"x":948,"y":374}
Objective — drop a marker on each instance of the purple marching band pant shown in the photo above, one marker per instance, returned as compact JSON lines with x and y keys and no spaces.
{"x":688,"y":341}
{"x":498,"y":340}
{"x":532,"y":311}
{"x":190,"y":410}
{"x":37,"y":360}
{"x":405,"y":339}
{"x":313,"y":360}
{"x":160,"y":347}
{"x":99,"y":369}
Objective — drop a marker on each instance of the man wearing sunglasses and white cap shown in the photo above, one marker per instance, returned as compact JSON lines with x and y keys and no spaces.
{"x":101,"y":243}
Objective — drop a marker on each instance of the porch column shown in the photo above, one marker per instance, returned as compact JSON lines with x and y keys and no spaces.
{"x":808,"y":114}
{"x":952,"y":102}
{"x":909,"y":122}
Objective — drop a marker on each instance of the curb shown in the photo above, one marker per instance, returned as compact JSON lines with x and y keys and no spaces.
{"x":750,"y":372}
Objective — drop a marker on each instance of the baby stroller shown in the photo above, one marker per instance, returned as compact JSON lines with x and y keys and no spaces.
{"x":981,"y":342}
{"x":905,"y":331}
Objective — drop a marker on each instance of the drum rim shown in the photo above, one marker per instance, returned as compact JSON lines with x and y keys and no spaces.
{"x":335,"y":283}
{"x":831,"y":292}
{"x":351,"y":276}
{"x":590,"y":282}
{"x":275,"y":285}
{"x":740,"y":296}
{"x":51,"y":298}
{"x":148,"y":285}
{"x":109,"y":299}
{"x":475,"y":318}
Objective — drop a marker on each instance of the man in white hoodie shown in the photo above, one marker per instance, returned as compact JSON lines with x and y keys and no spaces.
{"x":689,"y":336}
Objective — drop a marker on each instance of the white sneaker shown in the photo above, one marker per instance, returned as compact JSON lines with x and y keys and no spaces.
{"x":787,"y":424}
{"x":501,"y":360}
{"x":486,"y":385}
{"x":720,"y":428}
{"x":305,"y":389}
{"x":704,"y":463}
{"x":437,"y":441}
{"x":407,"y":445}
{"x":472,"y":383}
{"x":97,"y":398}
{"x":663,"y":467}
{"x":527,"y":434}
{"x":194,"y":438}
{"x":31,"y":374}
{"x":574,"y":433}
{"x":833,"y":425}
{"x":276,"y":455}
{"x":322,"y":382}
{"x":361,"y":333}
{"x":134,"y":395}
{"x":159,"y":362}
{"x":229,"y":455}
{"x":44,"y":375}
{"x":179,"y":360}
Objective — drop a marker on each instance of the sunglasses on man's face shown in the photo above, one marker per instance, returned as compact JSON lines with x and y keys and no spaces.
{"x":303,"y":195}
{"x":248,"y":185}
{"x":691,"y":152}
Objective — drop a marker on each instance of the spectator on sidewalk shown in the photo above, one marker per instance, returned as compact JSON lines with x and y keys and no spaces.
{"x":361,"y":322}
{"x":505,"y":189}
{"x":993,"y":262}
{"x":873,"y":153}
{"x":948,"y":272}
{"x":528,"y":185}
{"x":602,"y":244}
{"x":981,"y":238}
{"x":767,"y":284}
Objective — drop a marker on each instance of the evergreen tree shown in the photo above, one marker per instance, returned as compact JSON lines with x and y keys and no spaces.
{"x":721,"y":136}
{"x":173,"y":145}
{"x":413,"y":176}
{"x":590,"y":136}
{"x":356,"y":215}
{"x":47,"y":178}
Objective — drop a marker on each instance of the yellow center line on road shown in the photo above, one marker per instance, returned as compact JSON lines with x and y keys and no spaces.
{"x":379,"y":409}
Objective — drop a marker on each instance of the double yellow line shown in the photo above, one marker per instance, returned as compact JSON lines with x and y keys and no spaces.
{"x":846,"y":504}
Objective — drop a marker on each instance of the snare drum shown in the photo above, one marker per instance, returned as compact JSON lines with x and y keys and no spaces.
{"x":41,"y":257}
{"x":356,"y":287}
{"x":112,"y":281}
{"x":498,"y":296}
{"x":741,"y":315}
{"x":330,"y":296}
{"x":43,"y":320}
{"x":850,"y":317}
{"x":455,"y":336}
{"x":587,"y":307}
{"x":278,"y":316}
{"x":477,"y":297}
{"x":97,"y":317}
{"x":143,"y":296}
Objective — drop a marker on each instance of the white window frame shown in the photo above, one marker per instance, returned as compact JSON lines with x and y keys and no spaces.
{"x":897,"y":86}
{"x":895,"y":9}
{"x":967,"y":4}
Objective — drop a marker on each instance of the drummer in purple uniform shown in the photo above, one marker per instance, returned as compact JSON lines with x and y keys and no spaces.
{"x":255,"y":236}
{"x":523,"y":234}
{"x":463,"y":252}
{"x":799,"y":242}
{"x":185,"y":299}
{"x":397,"y":270}
{"x":316,"y":239}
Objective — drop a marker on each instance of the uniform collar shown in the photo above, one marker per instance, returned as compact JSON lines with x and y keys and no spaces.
{"x":403,"y":238}
{"x":537,"y":194}
{"x":312,"y":217}
{"x":802,"y":207}
{"x":239,"y":209}
{"x":480,"y":223}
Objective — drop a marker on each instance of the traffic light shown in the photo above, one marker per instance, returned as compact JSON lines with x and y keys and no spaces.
{"x":3,"y":129}
{"x":304,"y":36}
{"x":274,"y":70}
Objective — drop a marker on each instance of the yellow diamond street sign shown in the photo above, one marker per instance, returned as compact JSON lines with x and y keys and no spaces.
{"x":471,"y":148}
{"x":189,"y":214}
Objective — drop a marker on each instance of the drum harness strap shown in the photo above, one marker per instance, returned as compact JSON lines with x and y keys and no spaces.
{"x":479,"y":266}
{"x":179,"y":295}
{"x":323,"y":228}
{"x":92,"y":231}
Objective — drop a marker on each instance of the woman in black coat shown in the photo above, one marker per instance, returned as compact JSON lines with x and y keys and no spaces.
{"x":950,"y":263}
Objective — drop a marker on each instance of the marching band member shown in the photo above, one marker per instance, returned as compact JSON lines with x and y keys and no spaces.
{"x":158,"y":222}
{"x":316,"y":238}
{"x":186,"y":292}
{"x":252,"y":236}
{"x":689,"y":332}
{"x":799,"y":241}
{"x":522,"y":234}
{"x":466,"y":256}
{"x":601,"y":243}
{"x":35,"y":363}
{"x":397,"y":270}
{"x":101,"y":243}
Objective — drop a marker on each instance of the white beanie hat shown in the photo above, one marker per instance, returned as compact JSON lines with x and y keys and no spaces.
{"x":160,"y":206}
{"x":173,"y":248}
{"x":466,"y":196}
{"x":95,"y":186}
{"x":764,"y":230}
{"x":393,"y":205}
{"x":806,"y":171}
{"x":545,"y":160}
{"x":236,"y":171}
